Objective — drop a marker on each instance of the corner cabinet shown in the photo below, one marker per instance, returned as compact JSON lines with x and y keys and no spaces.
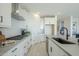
{"x":5,"y":14}
{"x":54,"y":50}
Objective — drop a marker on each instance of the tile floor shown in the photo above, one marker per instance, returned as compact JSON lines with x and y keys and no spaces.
{"x":38,"y":49}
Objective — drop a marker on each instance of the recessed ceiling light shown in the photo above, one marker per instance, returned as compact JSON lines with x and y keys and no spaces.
{"x":36,"y":15}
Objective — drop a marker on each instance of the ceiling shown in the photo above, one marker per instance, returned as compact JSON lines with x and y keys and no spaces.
{"x":69,"y":9}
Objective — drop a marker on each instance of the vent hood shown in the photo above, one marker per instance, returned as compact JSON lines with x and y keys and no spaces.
{"x":15,"y":12}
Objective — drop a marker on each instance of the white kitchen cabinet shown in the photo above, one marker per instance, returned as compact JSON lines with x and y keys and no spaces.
{"x":29,"y":41}
{"x":21,"y":49}
{"x":9,"y":53}
{"x":50,"y":48}
{"x":5,"y":14}
{"x":17,"y":51}
{"x":54,"y":50}
{"x":13,"y":52}
{"x":25,"y":46}
{"x":49,"y":20}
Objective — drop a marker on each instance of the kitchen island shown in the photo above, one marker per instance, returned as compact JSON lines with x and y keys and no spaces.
{"x":57,"y":49}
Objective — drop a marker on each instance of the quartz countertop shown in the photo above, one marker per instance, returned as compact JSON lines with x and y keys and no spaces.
{"x":71,"y":49}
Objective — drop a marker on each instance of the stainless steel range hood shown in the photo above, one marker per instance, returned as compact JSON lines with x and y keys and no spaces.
{"x":15,"y":12}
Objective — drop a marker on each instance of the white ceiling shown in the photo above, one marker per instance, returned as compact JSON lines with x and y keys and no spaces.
{"x":70,"y":9}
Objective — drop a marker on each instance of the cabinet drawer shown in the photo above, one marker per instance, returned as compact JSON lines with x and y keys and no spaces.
{"x":14,"y":50}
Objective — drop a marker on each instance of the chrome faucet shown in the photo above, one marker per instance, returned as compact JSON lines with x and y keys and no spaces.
{"x":62,"y":29}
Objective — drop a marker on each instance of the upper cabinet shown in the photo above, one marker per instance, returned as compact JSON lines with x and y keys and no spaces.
{"x":50,"y":20}
{"x":5,"y":14}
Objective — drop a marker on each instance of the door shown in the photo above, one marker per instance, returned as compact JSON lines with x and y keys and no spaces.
{"x":49,"y":29}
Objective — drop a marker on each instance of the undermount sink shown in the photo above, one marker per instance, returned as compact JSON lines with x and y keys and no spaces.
{"x":62,"y":41}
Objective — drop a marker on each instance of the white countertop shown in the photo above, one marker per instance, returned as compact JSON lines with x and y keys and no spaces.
{"x":72,"y":49}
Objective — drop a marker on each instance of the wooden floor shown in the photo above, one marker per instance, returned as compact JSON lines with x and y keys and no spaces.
{"x":38,"y":49}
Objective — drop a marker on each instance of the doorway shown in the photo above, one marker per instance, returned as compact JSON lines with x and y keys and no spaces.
{"x":49,"y":29}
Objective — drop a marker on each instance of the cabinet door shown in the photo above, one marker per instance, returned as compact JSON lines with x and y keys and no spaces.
{"x":8,"y":54}
{"x":54,"y":50}
{"x":26,"y":45}
{"x":29,"y":41}
{"x":50,"y":48}
{"x":25,"y":48}
{"x":5,"y":12}
{"x":17,"y":50}
{"x":13,"y":52}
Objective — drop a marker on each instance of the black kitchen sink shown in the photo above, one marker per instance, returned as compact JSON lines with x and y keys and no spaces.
{"x":62,"y":41}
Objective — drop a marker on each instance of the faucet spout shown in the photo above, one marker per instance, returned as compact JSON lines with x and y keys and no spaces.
{"x":66,"y":32}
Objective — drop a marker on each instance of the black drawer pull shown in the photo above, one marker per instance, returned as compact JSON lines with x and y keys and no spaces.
{"x":50,"y":49}
{"x":14,"y":49}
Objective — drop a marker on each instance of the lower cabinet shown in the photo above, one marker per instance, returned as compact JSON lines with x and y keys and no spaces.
{"x":54,"y":50}
{"x":16,"y":51}
{"x":19,"y":50}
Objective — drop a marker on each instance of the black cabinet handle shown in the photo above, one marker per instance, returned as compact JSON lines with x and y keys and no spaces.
{"x":14,"y":50}
{"x":1,"y":19}
{"x":50,"y":49}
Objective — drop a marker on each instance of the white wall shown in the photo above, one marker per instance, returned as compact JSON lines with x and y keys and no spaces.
{"x":34,"y":25}
{"x":75,"y":19}
{"x":14,"y":30}
{"x":31,"y":22}
{"x":67,"y":24}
